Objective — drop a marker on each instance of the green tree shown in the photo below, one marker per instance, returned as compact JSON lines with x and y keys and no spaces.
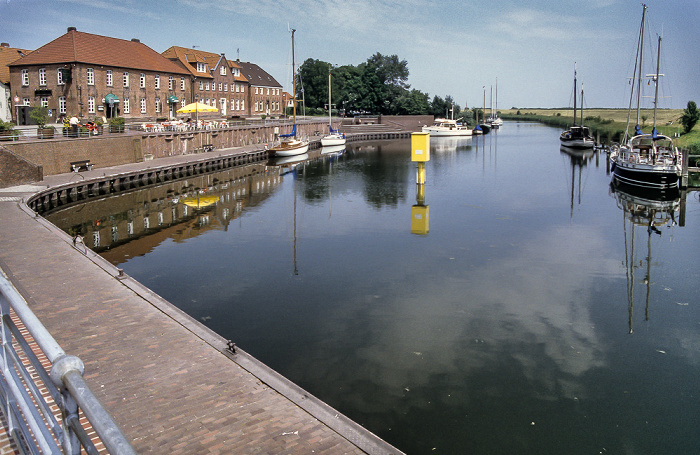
{"x":690,"y":116}
{"x":312,"y":78}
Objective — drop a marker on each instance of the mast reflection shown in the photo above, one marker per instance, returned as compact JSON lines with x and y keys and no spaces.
{"x":644,"y":210}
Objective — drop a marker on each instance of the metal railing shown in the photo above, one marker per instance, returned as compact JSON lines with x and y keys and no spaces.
{"x":30,"y":421}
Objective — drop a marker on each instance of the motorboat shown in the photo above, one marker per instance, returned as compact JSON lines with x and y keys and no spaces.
{"x":646,"y":160}
{"x":447,"y":127}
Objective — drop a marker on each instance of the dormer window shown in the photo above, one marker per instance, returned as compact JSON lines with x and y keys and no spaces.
{"x":201,"y":67}
{"x":223,"y":71}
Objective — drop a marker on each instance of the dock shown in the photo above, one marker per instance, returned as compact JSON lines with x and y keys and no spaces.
{"x":172,"y":385}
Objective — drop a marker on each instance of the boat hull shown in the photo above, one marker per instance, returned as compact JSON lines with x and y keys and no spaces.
{"x":333,"y":139}
{"x":289,"y":148}
{"x":440,"y":132}
{"x":645,"y":175}
{"x":578,"y":143}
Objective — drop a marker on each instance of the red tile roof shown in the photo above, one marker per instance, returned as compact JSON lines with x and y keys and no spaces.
{"x":80,"y":47}
{"x":7,"y":56}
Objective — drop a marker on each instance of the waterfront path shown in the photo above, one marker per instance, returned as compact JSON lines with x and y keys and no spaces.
{"x":167,"y":380}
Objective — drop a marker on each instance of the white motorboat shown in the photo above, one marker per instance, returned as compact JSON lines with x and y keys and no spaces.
{"x":447,"y":127}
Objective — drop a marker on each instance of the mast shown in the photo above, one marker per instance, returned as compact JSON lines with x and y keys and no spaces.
{"x":294,"y":82}
{"x":330,"y":124}
{"x":574,"y":93}
{"x":582,"y":104}
{"x":496,"y":98}
{"x":641,"y":58}
{"x":656,"y":80}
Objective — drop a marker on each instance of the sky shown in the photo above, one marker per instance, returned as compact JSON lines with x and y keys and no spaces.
{"x":524,"y":51}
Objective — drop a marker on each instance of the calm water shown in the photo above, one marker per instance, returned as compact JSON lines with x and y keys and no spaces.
{"x":534,"y":316}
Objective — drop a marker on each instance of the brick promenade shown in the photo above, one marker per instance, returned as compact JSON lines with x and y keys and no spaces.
{"x":167,"y":380}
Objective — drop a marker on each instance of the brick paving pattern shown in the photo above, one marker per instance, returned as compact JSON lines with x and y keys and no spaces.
{"x":169,"y":390}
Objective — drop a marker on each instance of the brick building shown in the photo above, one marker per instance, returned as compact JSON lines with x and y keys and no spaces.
{"x":265,"y":93}
{"x":7,"y":55}
{"x":215,"y":81}
{"x":92,"y":76}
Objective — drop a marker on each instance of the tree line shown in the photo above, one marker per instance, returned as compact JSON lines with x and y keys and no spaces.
{"x":377,"y":86}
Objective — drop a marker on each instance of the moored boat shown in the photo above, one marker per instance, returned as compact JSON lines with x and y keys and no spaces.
{"x":289,"y":144}
{"x":646,"y":160}
{"x":334,"y":137}
{"x":577,"y":136}
{"x":447,"y":127}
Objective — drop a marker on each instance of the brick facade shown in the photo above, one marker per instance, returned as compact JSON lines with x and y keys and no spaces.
{"x":73,"y":75}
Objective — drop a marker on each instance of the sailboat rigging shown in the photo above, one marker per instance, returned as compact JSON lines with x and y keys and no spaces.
{"x":288,"y":144}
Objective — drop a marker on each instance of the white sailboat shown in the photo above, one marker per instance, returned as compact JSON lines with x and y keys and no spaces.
{"x":289,"y":144}
{"x":334,"y":137}
{"x":647,"y":160}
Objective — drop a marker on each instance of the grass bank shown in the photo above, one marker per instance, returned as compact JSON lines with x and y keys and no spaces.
{"x":608,"y":125}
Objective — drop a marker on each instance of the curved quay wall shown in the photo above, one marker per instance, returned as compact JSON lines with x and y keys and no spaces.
{"x":69,"y":193}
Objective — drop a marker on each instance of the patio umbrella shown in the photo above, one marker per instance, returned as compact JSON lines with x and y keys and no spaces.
{"x":196,"y":108}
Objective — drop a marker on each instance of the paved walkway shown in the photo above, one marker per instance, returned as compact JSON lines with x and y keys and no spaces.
{"x":166,"y":379}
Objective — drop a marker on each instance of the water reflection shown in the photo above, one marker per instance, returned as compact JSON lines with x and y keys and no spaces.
{"x":134,"y":223}
{"x":648,"y":211}
{"x":579,"y":159}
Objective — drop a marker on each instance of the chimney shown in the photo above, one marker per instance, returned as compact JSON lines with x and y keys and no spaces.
{"x":72,"y":29}
{"x":135,"y":40}
{"x":4,"y":44}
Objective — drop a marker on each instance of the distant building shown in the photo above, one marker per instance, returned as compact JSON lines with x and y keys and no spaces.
{"x":92,"y":76}
{"x":265,"y":94}
{"x":7,"y":55}
{"x":215,"y":81}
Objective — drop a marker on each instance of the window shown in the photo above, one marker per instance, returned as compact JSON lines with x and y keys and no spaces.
{"x":142,"y":81}
{"x":268,"y":90}
{"x":182,"y":84}
{"x":156,"y":81}
{"x":157,"y":104}
{"x":243,"y":105}
{"x":143,"y":105}
{"x":42,"y":76}
{"x":25,"y":77}
{"x":171,"y":83}
{"x":59,"y":76}
{"x":182,"y":103}
{"x":108,"y":78}
{"x":91,"y":104}
{"x":256,"y":106}
{"x":61,"y":104}
{"x":238,"y":105}
{"x":90,"y":76}
{"x":242,"y":88}
{"x":25,"y":101}
{"x":126,"y":106}
{"x":44,"y":100}
{"x":207,"y":102}
{"x":201,"y":85}
{"x":126,"y":79}
{"x":223,"y":71}
{"x":256,"y":91}
{"x":225,"y":86}
{"x":201,"y":67}
{"x":206,"y":86}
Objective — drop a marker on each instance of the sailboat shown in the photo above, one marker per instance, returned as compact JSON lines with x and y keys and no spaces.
{"x":334,"y":137}
{"x":482,"y":128}
{"x":647,"y":160}
{"x":494,"y":120}
{"x":288,"y":144}
{"x":577,"y":136}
